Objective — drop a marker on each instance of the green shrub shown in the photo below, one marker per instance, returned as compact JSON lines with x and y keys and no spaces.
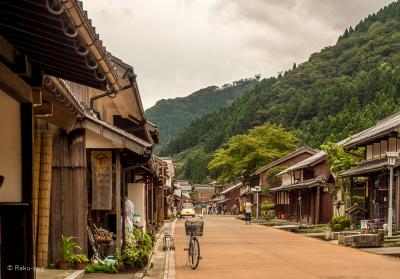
{"x":129,"y":255}
{"x":317,"y":229}
{"x":360,"y":200}
{"x":265,"y":206}
{"x":137,"y":251}
{"x":68,"y":245}
{"x":91,"y":268}
{"x":339,"y":223}
{"x":52,"y":266}
{"x":337,"y":227}
{"x":79,"y":258}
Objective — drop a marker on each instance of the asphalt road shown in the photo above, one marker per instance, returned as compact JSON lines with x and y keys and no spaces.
{"x":230,"y":249}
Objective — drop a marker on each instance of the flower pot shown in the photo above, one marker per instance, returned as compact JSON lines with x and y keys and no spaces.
{"x":80,"y":266}
{"x":62,"y":264}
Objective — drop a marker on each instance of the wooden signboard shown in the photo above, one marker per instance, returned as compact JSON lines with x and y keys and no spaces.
{"x":101,"y":180}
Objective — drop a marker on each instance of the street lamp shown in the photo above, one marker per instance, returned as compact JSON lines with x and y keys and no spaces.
{"x":391,"y":157}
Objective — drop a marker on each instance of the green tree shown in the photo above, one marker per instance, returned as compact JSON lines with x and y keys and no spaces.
{"x":243,"y":154}
{"x":338,"y":160}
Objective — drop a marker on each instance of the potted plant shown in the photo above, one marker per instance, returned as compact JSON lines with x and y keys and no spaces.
{"x":80,"y":261}
{"x":68,"y":245}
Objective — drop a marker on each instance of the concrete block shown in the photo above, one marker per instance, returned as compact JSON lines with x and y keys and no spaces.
{"x":363,"y":240}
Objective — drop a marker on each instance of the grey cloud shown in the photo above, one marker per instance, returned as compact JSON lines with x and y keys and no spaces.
{"x":179,"y":46}
{"x":335,"y":13}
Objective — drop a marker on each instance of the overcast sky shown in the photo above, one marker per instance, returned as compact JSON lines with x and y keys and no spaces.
{"x":179,"y":46}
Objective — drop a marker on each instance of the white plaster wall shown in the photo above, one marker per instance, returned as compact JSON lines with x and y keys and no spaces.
{"x":286,"y":180}
{"x":10,"y":149}
{"x":136,"y":193}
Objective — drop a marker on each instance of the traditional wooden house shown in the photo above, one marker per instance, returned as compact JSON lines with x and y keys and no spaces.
{"x":39,"y":41}
{"x":72,"y":147}
{"x":115,"y":153}
{"x":203,"y":193}
{"x":230,"y":198}
{"x":266,"y":174}
{"x":163,"y":190}
{"x":370,"y":179}
{"x":305,"y":192}
{"x":169,"y":174}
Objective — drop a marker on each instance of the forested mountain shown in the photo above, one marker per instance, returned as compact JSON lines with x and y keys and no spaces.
{"x":172,"y":115}
{"x":339,"y":91}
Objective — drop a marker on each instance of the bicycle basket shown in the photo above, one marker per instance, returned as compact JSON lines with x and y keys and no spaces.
{"x":194,"y":227}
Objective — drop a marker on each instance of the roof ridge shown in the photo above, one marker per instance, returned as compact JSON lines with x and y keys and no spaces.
{"x":286,"y":157}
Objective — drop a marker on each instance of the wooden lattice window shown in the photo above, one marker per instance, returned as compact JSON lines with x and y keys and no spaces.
{"x":392,"y":145}
{"x":369,"y":152}
{"x":384,"y":147}
{"x":376,"y":150}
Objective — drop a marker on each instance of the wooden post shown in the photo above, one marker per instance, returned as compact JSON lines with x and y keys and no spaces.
{"x":317,"y":205}
{"x":312,"y":205}
{"x":397,"y":202}
{"x":118,"y":196}
{"x":308,"y":205}
{"x":44,"y":198}
{"x":162,"y":203}
{"x":36,"y":175}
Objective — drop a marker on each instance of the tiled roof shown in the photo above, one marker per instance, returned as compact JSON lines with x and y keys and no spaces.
{"x":304,"y":149}
{"x":320,"y":180}
{"x":59,"y":39}
{"x":383,"y":127}
{"x":311,"y":161}
{"x":231,"y":188}
{"x":366,"y":167}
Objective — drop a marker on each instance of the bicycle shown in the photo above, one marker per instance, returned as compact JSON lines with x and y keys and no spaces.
{"x":168,"y":240}
{"x":194,"y":228}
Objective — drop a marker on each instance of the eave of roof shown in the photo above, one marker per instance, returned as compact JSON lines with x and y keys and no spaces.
{"x":113,"y":133}
{"x":38,"y":33}
{"x":304,"y":149}
{"x":303,"y":184}
{"x":366,"y":168}
{"x":383,"y":128}
{"x":306,"y":163}
{"x":231,"y":188}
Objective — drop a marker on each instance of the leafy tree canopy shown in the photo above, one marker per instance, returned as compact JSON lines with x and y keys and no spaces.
{"x":338,"y":160}
{"x":243,"y":154}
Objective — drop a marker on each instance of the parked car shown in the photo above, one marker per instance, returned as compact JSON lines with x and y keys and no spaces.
{"x":187,"y":210}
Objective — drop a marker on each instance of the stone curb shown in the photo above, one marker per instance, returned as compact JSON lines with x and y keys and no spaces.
{"x":75,"y":275}
{"x":154,"y":254}
{"x":169,"y":268}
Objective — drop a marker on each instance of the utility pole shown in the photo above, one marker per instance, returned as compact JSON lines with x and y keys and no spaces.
{"x":390,"y":213}
{"x":257,"y":189}
{"x":391,"y":156}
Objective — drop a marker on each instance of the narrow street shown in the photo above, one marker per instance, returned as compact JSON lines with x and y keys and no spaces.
{"x":230,"y":249}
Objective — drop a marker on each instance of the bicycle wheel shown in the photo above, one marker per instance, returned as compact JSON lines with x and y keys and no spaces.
{"x":194,"y":253}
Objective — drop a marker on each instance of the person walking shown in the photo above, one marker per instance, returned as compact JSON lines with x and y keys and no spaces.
{"x":247,"y":211}
{"x":203,"y":209}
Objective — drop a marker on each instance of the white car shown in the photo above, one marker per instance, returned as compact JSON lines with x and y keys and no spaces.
{"x":187,"y":210}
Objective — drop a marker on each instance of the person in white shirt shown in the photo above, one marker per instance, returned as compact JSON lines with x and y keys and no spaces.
{"x":129,"y":208}
{"x":247,"y":211}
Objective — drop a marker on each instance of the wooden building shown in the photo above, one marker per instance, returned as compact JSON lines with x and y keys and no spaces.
{"x":266,"y":174}
{"x":76,"y":134}
{"x":305,"y":193}
{"x":286,"y":161}
{"x":203,"y":193}
{"x":370,"y":179}
{"x":230,"y":198}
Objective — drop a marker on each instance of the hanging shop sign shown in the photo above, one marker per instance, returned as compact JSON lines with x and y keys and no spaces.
{"x":101,"y":180}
